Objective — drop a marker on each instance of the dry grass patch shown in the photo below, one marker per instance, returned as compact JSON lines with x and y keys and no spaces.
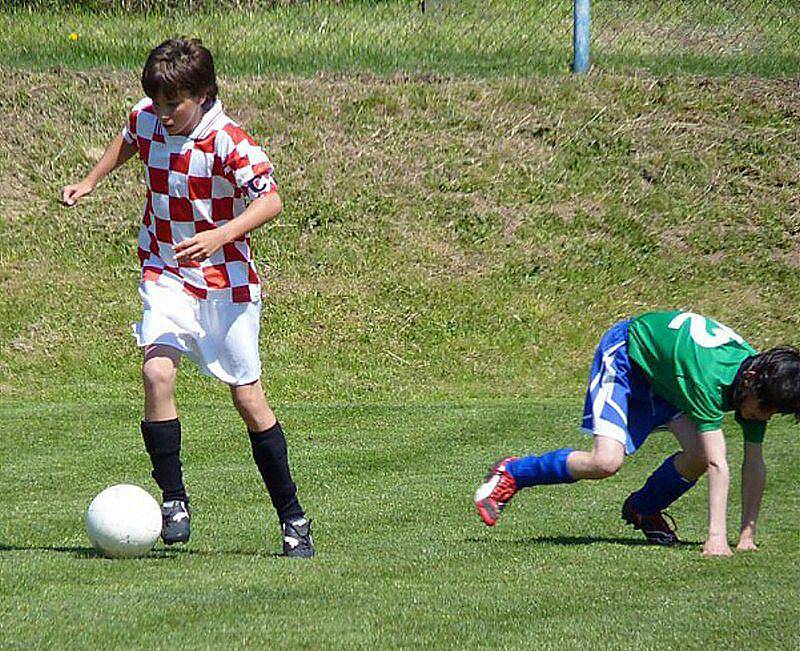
{"x":447,"y":228}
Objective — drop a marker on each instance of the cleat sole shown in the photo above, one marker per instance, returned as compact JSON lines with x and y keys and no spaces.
{"x":488,"y":516}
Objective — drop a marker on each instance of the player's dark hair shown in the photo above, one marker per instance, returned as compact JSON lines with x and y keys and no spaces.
{"x":179,"y":65}
{"x":773,"y":377}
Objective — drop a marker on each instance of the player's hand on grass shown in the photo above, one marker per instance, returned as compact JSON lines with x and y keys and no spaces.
{"x":200,"y":247}
{"x":717,"y":546}
{"x":71,"y":193}
{"x":746,"y":544}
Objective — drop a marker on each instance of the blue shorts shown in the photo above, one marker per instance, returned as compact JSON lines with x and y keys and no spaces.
{"x":620,"y":403}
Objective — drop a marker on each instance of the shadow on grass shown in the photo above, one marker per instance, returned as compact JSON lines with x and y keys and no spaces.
{"x":78,"y":551}
{"x":574,"y":541}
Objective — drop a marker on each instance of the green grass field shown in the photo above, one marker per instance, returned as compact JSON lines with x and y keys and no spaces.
{"x":452,"y":247}
{"x":403,"y":561}
{"x":461,"y":38}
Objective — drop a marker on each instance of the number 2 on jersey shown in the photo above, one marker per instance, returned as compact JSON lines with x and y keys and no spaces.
{"x":699,"y":330}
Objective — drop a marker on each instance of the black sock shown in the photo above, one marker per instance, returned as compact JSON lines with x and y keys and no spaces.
{"x":162,"y":439}
{"x":270,"y":455}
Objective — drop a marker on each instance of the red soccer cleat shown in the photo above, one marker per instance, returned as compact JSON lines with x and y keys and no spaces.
{"x":654,"y":527}
{"x":495,"y":492}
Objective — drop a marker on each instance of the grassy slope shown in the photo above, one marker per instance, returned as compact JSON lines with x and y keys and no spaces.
{"x":440,"y":241}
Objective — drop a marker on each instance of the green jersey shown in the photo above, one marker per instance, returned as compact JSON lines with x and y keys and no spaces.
{"x":691,"y":361}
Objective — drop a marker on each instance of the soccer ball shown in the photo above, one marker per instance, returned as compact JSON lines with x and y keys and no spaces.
{"x":123,"y":521}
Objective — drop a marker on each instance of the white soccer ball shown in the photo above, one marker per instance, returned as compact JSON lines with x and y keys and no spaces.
{"x":123,"y":521}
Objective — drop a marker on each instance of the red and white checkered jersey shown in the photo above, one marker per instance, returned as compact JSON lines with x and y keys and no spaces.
{"x":196,"y":183}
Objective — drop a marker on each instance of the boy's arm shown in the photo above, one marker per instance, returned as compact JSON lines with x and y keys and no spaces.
{"x":115,"y":155}
{"x":713,"y":444}
{"x":754,"y":478}
{"x":206,"y":243}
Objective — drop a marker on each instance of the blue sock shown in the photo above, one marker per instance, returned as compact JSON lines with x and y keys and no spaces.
{"x":661,"y":489}
{"x":550,"y":468}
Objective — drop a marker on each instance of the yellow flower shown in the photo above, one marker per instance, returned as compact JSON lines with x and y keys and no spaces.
{"x":73,"y":36}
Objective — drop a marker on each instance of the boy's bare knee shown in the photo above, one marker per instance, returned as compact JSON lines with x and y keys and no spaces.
{"x":607,"y":465}
{"x":243,"y":401}
{"x":159,"y":372}
{"x":252,"y":406}
{"x":606,"y":458}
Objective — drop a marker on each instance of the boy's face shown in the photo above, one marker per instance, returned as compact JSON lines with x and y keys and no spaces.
{"x":750,"y":409}
{"x":181,"y":114}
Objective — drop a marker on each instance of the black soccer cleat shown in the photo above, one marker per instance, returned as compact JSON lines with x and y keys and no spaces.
{"x":654,"y":527}
{"x":297,"y":542}
{"x":175,"y":517}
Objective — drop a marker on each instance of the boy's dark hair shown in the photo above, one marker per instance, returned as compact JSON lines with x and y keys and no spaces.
{"x":773,"y":377}
{"x":179,"y":65}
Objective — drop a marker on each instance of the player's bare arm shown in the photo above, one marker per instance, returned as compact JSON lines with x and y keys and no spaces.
{"x":754,"y":477}
{"x":205,"y":244}
{"x":116,"y":154}
{"x":713,"y":444}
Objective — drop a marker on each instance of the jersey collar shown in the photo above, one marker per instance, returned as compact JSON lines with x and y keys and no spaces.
{"x":207,"y":122}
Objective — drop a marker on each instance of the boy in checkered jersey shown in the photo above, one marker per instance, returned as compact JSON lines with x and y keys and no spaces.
{"x":208,"y":185}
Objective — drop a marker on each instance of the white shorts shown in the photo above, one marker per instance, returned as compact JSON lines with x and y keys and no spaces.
{"x":219,"y":336}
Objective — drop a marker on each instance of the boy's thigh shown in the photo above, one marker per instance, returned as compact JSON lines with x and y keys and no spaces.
{"x":685,"y":431}
{"x":640,"y":416}
{"x":160,"y":365}
{"x":169,"y":354}
{"x":229,"y":348}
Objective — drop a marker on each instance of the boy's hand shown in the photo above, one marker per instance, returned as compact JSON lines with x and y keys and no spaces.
{"x":746,"y":544}
{"x":71,"y":193}
{"x":200,"y":247}
{"x":716,"y":546}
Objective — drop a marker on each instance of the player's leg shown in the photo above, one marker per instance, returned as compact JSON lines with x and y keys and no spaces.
{"x":605,"y":416}
{"x":676,"y":475}
{"x":270,"y":453}
{"x":564,"y":466}
{"x":603,"y":460}
{"x":159,"y":373}
{"x":269,"y":448}
{"x":161,"y":431}
{"x":691,"y":462}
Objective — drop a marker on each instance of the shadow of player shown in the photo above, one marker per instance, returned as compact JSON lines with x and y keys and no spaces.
{"x":78,"y":551}
{"x":576,"y":541}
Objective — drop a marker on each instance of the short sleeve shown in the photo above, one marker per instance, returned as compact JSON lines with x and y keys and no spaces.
{"x":707,"y":425}
{"x":246,"y":162}
{"x":130,"y":129}
{"x":704,"y":410}
{"x":753,"y":430}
